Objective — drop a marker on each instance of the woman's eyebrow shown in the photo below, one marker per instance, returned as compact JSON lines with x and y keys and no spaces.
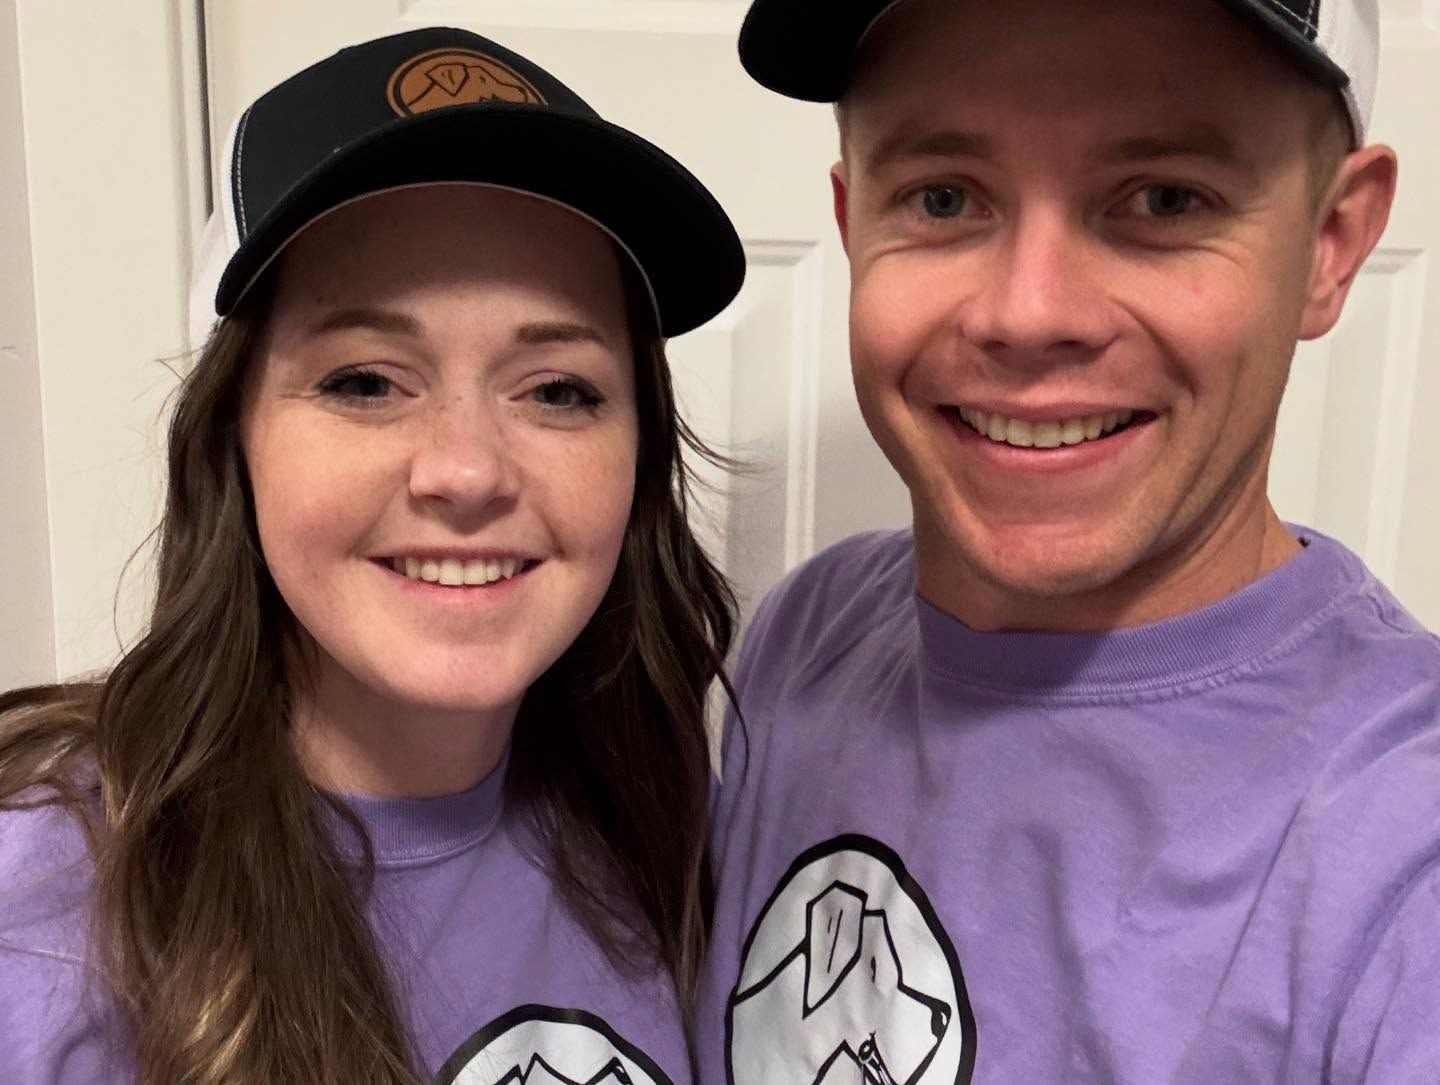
{"x":541,"y":333}
{"x":387,"y":321}
{"x":391,"y":322}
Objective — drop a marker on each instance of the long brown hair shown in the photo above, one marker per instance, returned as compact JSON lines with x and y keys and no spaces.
{"x":224,"y":922}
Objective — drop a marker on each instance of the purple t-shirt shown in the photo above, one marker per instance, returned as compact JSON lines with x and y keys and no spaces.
{"x":501,"y":982}
{"x":1205,"y":850}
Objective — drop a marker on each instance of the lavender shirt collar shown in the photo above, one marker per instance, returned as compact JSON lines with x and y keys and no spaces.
{"x":1266,"y":618}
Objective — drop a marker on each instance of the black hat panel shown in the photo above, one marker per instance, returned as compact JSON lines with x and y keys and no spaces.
{"x":679,"y":237}
{"x":795,"y":48}
{"x":295,"y":127}
{"x":774,"y":36}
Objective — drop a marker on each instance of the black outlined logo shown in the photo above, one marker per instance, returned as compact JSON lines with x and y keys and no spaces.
{"x":542,"y":1045}
{"x":444,"y":77}
{"x":848,"y":976}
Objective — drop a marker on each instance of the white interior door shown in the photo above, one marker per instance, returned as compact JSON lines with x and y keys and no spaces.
{"x":768,"y":379}
{"x":100,"y":165}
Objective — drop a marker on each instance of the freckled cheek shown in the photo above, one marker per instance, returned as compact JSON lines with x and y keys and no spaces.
{"x":586,"y":491}
{"x":317,"y":496}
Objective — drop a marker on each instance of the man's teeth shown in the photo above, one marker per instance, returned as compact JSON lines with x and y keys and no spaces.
{"x":454,"y":574}
{"x":1022,"y":434}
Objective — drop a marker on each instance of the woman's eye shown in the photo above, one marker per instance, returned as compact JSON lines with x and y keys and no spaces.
{"x":567,"y":395}
{"x":357,"y":384}
{"x":944,"y":201}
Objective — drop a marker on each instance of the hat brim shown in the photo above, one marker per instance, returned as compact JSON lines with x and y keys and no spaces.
{"x":787,"y":46}
{"x":678,"y":235}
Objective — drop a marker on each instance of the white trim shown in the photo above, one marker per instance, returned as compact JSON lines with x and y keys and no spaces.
{"x":25,"y":252}
{"x":194,"y":111}
{"x":48,"y":429}
{"x":195,"y":135}
{"x":805,"y":262}
{"x":1399,"y":376}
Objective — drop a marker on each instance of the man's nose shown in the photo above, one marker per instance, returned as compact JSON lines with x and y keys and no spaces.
{"x":465,"y":459}
{"x":1040,"y":301}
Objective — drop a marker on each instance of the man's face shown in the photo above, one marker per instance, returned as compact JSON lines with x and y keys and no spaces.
{"x":1082,"y":240}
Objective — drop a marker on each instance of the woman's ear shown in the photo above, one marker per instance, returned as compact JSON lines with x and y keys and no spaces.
{"x":1351,"y":222}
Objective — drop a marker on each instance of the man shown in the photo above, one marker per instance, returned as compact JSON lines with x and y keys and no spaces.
{"x":1101,"y":773}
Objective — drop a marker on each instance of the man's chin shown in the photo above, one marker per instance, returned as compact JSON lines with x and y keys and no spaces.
{"x":1031,"y":571}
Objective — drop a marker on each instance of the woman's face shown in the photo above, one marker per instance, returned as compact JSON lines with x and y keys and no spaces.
{"x":440,"y":430}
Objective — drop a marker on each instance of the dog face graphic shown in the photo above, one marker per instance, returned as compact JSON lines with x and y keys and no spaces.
{"x":455,"y":82}
{"x":542,"y":1045}
{"x":846,"y":980}
{"x":448,"y":77}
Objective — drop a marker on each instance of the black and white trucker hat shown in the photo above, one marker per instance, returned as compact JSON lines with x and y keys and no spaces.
{"x":441,"y":105}
{"x":804,"y":49}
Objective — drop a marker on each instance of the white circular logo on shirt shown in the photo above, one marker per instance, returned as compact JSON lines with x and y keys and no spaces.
{"x":541,"y":1045}
{"x":848,"y":976}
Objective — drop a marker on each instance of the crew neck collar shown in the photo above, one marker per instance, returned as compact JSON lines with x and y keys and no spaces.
{"x":1237,"y":631}
{"x":414,"y":830}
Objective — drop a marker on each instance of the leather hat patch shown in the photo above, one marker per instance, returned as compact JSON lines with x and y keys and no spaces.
{"x":445,"y":77}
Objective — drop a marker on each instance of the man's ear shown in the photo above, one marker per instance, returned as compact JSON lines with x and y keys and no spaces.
{"x":1353,"y":217}
{"x":842,"y":203}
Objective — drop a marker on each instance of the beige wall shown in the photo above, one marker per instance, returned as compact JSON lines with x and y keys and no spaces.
{"x":27,"y":617}
{"x":110,"y":212}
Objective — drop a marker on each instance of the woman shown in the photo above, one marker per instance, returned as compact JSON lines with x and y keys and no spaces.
{"x":409,"y":774}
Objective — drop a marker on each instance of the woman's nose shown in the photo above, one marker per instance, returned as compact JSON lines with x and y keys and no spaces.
{"x":464,"y":459}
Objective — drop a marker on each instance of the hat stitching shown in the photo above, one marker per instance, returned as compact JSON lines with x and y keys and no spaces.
{"x":1308,"y":20}
{"x":240,"y":170}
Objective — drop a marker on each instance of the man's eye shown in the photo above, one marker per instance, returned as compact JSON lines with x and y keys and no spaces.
{"x":1168,"y":201}
{"x":356,"y":384}
{"x":944,"y":201}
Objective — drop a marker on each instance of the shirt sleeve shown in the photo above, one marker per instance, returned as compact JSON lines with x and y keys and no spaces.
{"x":1389,"y":1029}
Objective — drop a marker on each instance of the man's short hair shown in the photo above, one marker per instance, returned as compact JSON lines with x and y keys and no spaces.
{"x":1332,"y":138}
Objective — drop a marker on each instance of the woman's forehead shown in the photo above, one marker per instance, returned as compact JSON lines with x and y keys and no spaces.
{"x":399,"y":248}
